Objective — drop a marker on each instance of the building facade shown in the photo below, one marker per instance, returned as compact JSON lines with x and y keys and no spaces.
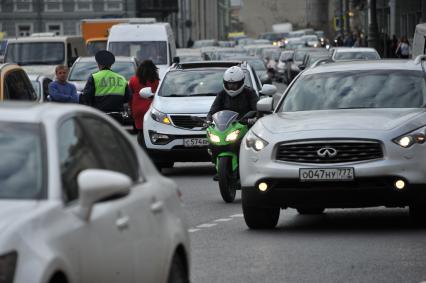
{"x":24,"y":17}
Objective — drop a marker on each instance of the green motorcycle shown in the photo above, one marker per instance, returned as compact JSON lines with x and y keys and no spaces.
{"x":224,"y":135}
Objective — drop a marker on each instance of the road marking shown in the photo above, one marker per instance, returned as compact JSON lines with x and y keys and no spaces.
{"x":207,"y":225}
{"x":223,"y":219}
{"x":193,"y":230}
{"x":237,"y":215}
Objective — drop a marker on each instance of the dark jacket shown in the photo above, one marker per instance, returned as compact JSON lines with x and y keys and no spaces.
{"x":106,"y":103}
{"x":242,"y":103}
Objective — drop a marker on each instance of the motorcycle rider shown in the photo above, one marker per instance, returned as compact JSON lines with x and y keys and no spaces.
{"x":106,"y":90}
{"x":235,"y":96}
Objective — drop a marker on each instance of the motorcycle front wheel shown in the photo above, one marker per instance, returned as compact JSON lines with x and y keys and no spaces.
{"x":227,"y":184}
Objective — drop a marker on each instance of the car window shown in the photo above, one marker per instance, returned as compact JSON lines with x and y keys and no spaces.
{"x":75,"y":155}
{"x":115,"y":151}
{"x":356,"y":56}
{"x":18,"y":87}
{"x":352,"y":89}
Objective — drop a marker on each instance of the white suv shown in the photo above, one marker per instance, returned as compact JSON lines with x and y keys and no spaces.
{"x":172,"y":127}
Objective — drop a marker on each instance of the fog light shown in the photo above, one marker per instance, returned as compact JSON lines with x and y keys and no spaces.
{"x":399,"y":184}
{"x":263,"y":187}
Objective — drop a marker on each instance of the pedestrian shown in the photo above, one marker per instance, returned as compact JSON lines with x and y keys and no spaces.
{"x":60,"y":90}
{"x":106,"y":90}
{"x":189,"y":43}
{"x":393,"y":46}
{"x":146,"y":76}
{"x":403,"y":49}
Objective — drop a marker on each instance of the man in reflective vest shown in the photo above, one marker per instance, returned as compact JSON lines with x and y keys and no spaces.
{"x":106,"y":90}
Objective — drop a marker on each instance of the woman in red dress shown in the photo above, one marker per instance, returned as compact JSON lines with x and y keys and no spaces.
{"x":146,"y":76}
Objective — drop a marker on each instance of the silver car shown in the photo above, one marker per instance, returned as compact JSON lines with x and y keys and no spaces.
{"x":343,"y":135}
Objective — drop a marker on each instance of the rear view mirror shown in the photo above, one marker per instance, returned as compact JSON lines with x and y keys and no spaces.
{"x":302,"y":66}
{"x":268,"y":90}
{"x":265,"y":105}
{"x":146,"y":92}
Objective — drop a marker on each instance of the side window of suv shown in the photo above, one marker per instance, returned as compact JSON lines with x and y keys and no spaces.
{"x":75,"y":155}
{"x":116,"y":152}
{"x":18,"y":87}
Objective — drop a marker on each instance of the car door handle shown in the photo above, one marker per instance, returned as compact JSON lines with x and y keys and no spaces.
{"x":157,"y":206}
{"x":122,"y":222}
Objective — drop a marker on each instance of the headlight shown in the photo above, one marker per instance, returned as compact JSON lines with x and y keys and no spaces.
{"x":7,"y":267}
{"x":160,"y":116}
{"x":233,"y":136}
{"x":254,"y":142}
{"x":407,"y":140}
{"x":214,"y":138}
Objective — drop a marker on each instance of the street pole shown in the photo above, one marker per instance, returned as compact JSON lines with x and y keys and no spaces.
{"x":342,"y":23}
{"x":372,"y":25}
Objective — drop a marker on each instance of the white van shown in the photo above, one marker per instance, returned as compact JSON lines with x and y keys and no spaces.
{"x":40,"y":54}
{"x":419,"y":42}
{"x":144,"y":41}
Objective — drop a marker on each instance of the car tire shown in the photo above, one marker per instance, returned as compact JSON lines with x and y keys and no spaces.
{"x":310,"y":210}
{"x":178,"y":272}
{"x":227,"y":185}
{"x":261,"y":217}
{"x":418,"y":215}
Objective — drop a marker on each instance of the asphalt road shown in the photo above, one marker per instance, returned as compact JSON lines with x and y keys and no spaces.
{"x":352,"y":245}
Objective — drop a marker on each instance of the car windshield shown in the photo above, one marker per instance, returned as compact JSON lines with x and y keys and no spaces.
{"x":95,"y":46}
{"x":195,"y":83}
{"x":37,"y":88}
{"x":82,"y":70}
{"x":356,"y":55}
{"x":21,"y":163}
{"x":142,"y":50}
{"x":36,"y":53}
{"x":357,"y":89}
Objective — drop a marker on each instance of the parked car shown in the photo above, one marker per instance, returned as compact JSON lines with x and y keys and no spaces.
{"x":81,"y":203}
{"x":14,"y":84}
{"x":357,"y":143}
{"x":353,"y":53}
{"x":41,"y":86}
{"x":173,"y":126}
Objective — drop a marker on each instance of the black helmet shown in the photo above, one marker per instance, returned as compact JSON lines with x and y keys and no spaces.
{"x":105,"y":58}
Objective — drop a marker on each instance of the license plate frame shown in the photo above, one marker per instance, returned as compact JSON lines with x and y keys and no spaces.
{"x":195,"y":142}
{"x":344,"y":174}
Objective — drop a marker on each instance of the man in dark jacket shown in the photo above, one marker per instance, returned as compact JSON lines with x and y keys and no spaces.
{"x":235,"y":96}
{"x":106,"y":90}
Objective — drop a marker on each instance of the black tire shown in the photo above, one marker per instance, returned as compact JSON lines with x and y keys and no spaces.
{"x":227,"y":184}
{"x":178,"y":272}
{"x":261,"y":217}
{"x":310,"y":210}
{"x":418,"y":215}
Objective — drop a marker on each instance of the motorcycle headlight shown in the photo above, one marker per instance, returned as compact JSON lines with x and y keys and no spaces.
{"x":160,"y":116}
{"x":417,"y":136}
{"x":214,"y":138}
{"x":232,"y":136}
{"x":8,"y":266}
{"x":254,"y":142}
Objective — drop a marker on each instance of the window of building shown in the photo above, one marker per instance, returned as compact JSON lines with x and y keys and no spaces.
{"x":53,"y":5}
{"x":23,"y":5}
{"x":113,"y":5}
{"x":24,"y":29}
{"x":83,"y":5}
{"x":57,"y":28}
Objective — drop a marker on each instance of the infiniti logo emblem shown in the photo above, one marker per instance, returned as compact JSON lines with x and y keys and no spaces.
{"x":327,"y":152}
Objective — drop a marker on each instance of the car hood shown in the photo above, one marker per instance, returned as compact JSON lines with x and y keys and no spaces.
{"x":79,"y":85}
{"x":12,"y":211}
{"x":43,"y":70}
{"x":183,"y":105}
{"x":348,"y":119}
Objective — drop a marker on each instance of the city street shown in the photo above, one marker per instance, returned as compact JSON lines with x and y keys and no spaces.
{"x":351,"y":245}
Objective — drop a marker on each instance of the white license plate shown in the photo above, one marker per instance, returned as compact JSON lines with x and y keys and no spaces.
{"x":326,"y":174}
{"x":194,"y":142}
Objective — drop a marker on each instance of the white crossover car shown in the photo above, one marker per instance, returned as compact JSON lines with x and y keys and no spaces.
{"x":173,"y":126}
{"x":343,"y":135}
{"x":81,"y":203}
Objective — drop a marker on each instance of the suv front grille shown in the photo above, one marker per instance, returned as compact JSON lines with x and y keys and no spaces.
{"x":336,"y":151}
{"x":186,"y":121}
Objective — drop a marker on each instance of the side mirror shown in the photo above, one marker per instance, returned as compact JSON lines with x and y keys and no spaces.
{"x":71,"y":61}
{"x":302,"y":66}
{"x":268,"y":90}
{"x":96,"y":185}
{"x":146,"y":92}
{"x":265,"y":105}
{"x":176,"y":60}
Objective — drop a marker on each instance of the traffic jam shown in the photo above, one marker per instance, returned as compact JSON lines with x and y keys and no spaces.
{"x":121,"y":153}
